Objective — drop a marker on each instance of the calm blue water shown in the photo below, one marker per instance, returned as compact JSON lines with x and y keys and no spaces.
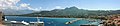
{"x":52,"y":21}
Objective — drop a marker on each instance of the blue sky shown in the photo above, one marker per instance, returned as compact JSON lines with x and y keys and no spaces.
{"x":81,"y":4}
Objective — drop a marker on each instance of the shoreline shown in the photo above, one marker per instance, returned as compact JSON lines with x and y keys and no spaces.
{"x":61,"y":17}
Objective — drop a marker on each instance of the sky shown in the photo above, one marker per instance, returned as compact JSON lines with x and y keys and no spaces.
{"x":61,"y":4}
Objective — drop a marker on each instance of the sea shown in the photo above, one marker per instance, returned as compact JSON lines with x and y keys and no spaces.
{"x":54,"y":21}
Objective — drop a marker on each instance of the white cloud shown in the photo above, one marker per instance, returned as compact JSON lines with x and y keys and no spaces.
{"x":14,"y":1}
{"x":8,"y":2}
{"x":38,"y":9}
{"x":5,"y":4}
{"x":35,"y":9}
{"x":11,"y":4}
{"x":24,"y":5}
{"x":58,"y":7}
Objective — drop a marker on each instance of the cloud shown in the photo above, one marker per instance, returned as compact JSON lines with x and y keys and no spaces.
{"x":13,"y":1}
{"x":24,"y":5}
{"x":58,"y":7}
{"x":35,"y":9}
{"x":11,"y":4}
{"x":8,"y":4}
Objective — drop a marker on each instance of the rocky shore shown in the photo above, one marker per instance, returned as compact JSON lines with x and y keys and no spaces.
{"x":113,"y":20}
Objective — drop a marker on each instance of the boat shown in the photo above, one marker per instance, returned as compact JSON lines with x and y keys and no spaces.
{"x":68,"y":22}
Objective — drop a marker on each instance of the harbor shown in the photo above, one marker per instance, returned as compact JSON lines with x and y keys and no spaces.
{"x":54,"y":21}
{"x":46,"y":21}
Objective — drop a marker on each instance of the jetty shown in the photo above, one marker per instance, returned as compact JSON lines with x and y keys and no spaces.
{"x":70,"y":22}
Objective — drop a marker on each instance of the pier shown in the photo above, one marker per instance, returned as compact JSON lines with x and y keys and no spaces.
{"x":72,"y":21}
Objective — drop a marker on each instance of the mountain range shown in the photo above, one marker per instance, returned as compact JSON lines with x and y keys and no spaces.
{"x":67,"y":12}
{"x":74,"y":11}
